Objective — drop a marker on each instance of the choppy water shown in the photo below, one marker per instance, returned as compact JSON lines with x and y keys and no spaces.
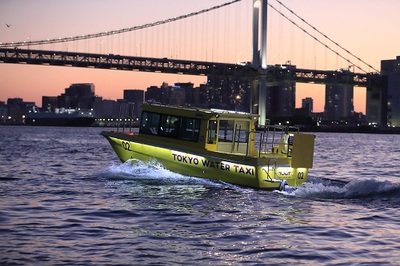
{"x":65,"y":199}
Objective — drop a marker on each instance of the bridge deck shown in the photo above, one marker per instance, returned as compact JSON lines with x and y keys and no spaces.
{"x":174,"y":66}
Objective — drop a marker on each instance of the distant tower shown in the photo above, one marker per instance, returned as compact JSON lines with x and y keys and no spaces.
{"x":338,"y":102}
{"x":260,"y":8}
{"x":135,"y":97}
{"x":308,"y":104}
{"x":78,"y":95}
{"x":259,"y":87}
{"x":390,"y":70}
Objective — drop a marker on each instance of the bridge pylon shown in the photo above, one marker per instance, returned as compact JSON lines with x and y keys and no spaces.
{"x":259,"y":85}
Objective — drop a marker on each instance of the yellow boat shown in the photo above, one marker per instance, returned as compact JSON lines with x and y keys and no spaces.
{"x":218,"y":145}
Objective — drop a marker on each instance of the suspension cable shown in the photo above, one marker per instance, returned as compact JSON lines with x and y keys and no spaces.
{"x":315,"y":38}
{"x":114,"y":32}
{"x":330,"y":39}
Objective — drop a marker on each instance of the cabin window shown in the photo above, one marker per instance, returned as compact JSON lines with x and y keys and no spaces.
{"x":229,"y":131}
{"x":212,"y":132}
{"x":170,"y":126}
{"x":149,"y":123}
{"x":190,"y":128}
{"x":225,"y":132}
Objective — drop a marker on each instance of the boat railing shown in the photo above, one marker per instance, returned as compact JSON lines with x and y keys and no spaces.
{"x":271,"y":137}
{"x":268,"y":140}
{"x":125,"y":115}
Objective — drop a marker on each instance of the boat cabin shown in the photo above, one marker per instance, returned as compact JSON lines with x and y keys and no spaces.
{"x":213,"y":129}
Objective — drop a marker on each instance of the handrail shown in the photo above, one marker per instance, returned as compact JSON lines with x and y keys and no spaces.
{"x":124,"y":114}
{"x":268,"y":143}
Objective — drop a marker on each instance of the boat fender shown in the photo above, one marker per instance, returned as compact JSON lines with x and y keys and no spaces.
{"x":283,"y":185}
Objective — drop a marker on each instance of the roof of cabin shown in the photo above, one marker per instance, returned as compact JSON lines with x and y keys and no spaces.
{"x":194,"y":112}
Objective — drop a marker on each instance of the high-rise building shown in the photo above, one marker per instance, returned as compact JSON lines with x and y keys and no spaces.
{"x":106,"y":108}
{"x":281,"y":99}
{"x":308,"y":105}
{"x":191,"y":93}
{"x":338,"y":102}
{"x":176,"y":96}
{"x":135,"y":99}
{"x":131,"y":95}
{"x":390,"y":70}
{"x":79,"y":95}
{"x":234,"y":93}
{"x":3,"y":112}
{"x":49,"y":103}
{"x":17,"y":109}
{"x":158,"y":94}
{"x":210,"y":97}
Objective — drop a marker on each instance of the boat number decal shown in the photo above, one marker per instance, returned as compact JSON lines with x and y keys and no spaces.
{"x":300,"y":175}
{"x":213,"y":164}
{"x":126,"y":145}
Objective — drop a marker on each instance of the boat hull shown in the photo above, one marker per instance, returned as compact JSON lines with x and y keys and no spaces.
{"x":244,"y":171}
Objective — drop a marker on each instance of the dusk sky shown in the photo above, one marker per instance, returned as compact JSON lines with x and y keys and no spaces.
{"x":369,"y":29}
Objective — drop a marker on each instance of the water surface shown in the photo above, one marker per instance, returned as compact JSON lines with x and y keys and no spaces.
{"x":65,"y":199}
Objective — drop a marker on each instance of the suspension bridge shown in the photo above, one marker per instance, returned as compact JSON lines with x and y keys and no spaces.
{"x":172,"y":56}
{"x":175,"y":66}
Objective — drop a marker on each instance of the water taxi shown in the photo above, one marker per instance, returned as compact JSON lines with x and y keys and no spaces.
{"x":219,"y":145}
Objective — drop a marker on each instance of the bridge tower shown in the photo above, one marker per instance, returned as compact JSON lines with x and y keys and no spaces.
{"x":259,"y":61}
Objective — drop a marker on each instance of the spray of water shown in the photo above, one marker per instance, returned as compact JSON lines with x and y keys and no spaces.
{"x":316,"y":188}
{"x":153,"y":171}
{"x":330,"y":189}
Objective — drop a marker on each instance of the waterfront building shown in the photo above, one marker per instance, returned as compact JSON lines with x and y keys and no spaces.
{"x":191,"y":93}
{"x":210,"y":96}
{"x":79,"y":95}
{"x":135,"y":99}
{"x":281,"y":99}
{"x":17,"y":108}
{"x":176,"y":95}
{"x":106,"y":108}
{"x":3,"y":112}
{"x":390,"y":71}
{"x":157,"y":94}
{"x":338,"y":102}
{"x":49,"y":103}
{"x":308,"y":105}
{"x":230,"y":93}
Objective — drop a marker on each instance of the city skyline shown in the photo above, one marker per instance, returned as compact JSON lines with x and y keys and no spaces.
{"x":305,"y":102}
{"x":46,"y":20}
